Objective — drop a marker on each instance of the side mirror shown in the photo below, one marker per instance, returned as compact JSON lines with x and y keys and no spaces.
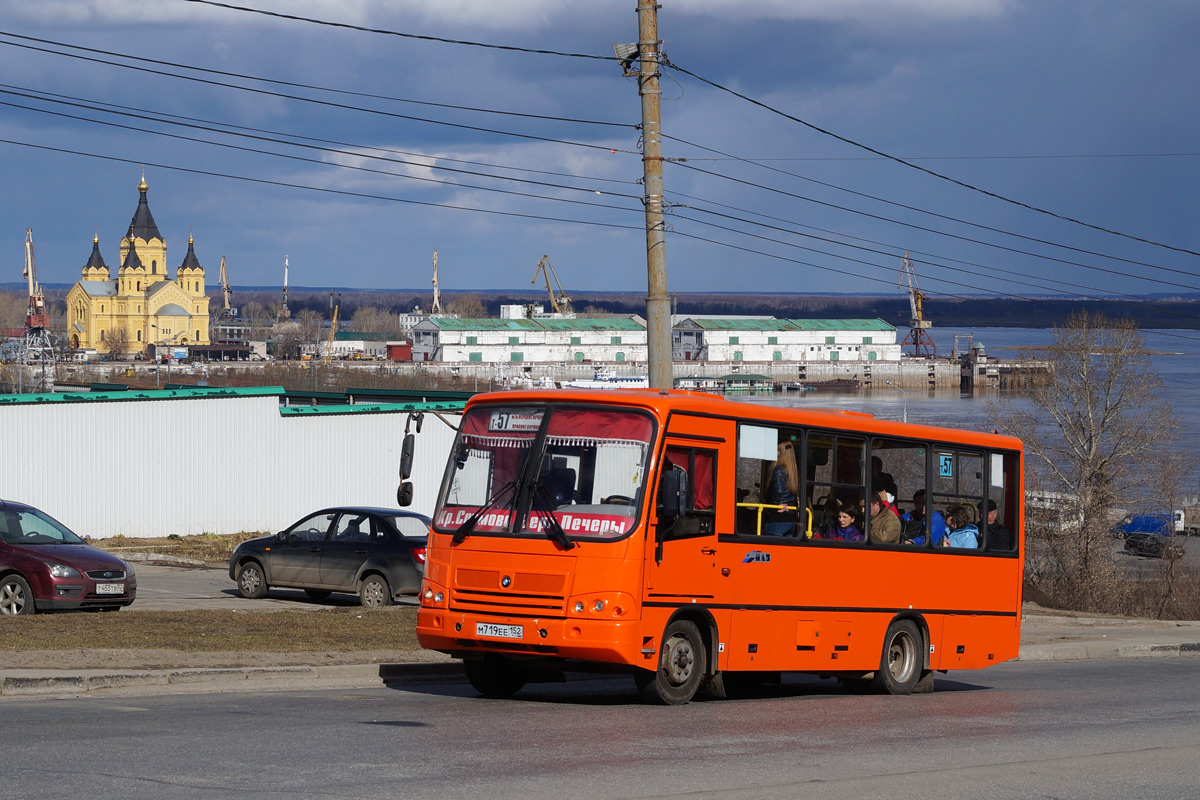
{"x":406,"y":455}
{"x":404,"y":495}
{"x":281,"y":536}
{"x":461,"y":453}
{"x":673,"y":494}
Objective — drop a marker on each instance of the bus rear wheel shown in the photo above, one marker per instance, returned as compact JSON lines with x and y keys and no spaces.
{"x":681,"y":666}
{"x":496,"y":676}
{"x":901,"y":662}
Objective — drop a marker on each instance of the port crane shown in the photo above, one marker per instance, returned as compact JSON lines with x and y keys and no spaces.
{"x":560,"y":304}
{"x":436,"y":308}
{"x":918,"y":327}
{"x":284,"y":312}
{"x":226,"y":291}
{"x":36,"y":346}
{"x":327,"y":356}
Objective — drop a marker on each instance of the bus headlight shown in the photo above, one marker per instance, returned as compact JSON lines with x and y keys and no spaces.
{"x":432,"y":596}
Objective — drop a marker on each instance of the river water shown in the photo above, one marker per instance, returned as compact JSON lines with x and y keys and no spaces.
{"x":1176,"y":358}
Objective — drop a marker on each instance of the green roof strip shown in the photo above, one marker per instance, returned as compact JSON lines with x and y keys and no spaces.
{"x":141,"y":394}
{"x":589,"y":324}
{"x":453,"y":407}
{"x":730,"y":324}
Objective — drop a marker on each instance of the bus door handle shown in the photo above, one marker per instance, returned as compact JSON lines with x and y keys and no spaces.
{"x":708,"y":551}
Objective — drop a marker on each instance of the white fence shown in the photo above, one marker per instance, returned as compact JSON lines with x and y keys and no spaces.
{"x":187,"y":462}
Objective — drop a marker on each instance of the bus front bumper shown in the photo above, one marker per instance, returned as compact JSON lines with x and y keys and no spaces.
{"x":462,"y":633}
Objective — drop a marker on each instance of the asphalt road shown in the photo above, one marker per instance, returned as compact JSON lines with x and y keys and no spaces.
{"x":1095,"y":729}
{"x":168,"y":588}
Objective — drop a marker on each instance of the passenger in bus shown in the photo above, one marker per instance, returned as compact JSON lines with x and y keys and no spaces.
{"x":847,"y":526}
{"x":885,"y":525}
{"x":883,"y":482}
{"x":960,"y":530}
{"x":913,"y":530}
{"x":783,"y":490}
{"x":999,"y":538}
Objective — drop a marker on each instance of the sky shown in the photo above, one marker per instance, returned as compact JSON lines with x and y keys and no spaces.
{"x":1051,"y":147}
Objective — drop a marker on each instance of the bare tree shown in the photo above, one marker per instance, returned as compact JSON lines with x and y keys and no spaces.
{"x":117,"y":344}
{"x":372,"y":319}
{"x":467,"y":306}
{"x":1099,"y":437}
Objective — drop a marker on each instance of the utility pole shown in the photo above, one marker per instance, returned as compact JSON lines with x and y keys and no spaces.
{"x":658,"y":302}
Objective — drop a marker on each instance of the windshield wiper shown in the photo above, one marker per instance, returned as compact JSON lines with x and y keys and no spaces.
{"x":553,"y":528}
{"x":465,"y":529}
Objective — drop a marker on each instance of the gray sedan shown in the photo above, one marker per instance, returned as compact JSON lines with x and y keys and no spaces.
{"x":376,"y":553}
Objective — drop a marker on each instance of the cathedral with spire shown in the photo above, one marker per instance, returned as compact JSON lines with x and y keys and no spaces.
{"x":143,"y":309}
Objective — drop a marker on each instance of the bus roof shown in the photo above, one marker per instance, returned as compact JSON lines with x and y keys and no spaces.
{"x":662,"y":402}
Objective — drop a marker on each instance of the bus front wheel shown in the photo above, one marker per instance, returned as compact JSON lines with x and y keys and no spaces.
{"x":496,"y":676}
{"x":901,"y":662}
{"x":681,"y":666}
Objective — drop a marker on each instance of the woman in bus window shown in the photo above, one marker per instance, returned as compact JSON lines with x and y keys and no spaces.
{"x":783,"y":490}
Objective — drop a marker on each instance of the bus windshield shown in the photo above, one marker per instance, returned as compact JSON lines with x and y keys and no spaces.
{"x":531,"y":470}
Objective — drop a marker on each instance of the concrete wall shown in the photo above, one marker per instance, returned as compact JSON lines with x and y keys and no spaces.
{"x":164,"y":464}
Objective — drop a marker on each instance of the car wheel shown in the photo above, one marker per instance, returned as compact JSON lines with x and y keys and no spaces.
{"x":900,"y":665}
{"x":15,"y":596}
{"x":375,"y":592}
{"x":318,"y":594}
{"x":681,"y":666}
{"x":251,"y":582}
{"x":496,"y":676}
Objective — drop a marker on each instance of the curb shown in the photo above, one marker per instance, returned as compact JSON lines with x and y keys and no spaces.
{"x":39,"y":682}
{"x":1103,"y":650}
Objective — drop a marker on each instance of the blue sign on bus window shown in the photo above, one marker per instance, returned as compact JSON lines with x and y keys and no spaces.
{"x":945,"y":465}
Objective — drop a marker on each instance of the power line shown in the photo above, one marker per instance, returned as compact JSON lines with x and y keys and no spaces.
{"x":315,"y":87}
{"x":301,"y":98}
{"x":163,"y":116}
{"x":880,"y":266}
{"x":856,"y":275}
{"x":927,"y":229}
{"x":978,"y":225}
{"x":925,"y":170}
{"x":386,"y":32}
{"x":1035,"y":157}
{"x":311,"y":147}
{"x":321,"y":189}
{"x":895,"y":251}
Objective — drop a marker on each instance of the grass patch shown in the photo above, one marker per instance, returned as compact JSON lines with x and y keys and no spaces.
{"x":211,"y":548}
{"x":338,"y":630}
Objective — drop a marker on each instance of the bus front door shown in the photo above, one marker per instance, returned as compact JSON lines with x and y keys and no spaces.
{"x":682,"y":554}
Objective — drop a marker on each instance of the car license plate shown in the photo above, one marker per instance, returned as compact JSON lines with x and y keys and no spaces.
{"x":499,"y":631}
{"x":110,"y":588}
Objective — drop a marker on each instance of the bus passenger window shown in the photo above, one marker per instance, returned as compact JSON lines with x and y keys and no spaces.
{"x":897,"y":473}
{"x":836,"y":481}
{"x":768,"y":483}
{"x":997,"y":525}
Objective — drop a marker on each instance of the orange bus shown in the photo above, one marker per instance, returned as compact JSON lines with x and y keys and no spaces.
{"x":640,"y":531}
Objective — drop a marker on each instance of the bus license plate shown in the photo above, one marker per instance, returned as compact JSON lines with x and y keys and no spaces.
{"x":499,"y":631}
{"x":110,"y":588}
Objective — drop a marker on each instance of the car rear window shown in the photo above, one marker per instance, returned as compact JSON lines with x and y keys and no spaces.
{"x":410,"y":527}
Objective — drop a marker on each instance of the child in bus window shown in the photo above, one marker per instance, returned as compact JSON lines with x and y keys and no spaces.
{"x":847,"y":527}
{"x":960,"y":530}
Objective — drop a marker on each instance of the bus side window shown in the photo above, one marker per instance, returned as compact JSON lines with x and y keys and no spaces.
{"x":837,"y":480}
{"x":998,"y":523}
{"x":701,"y":468}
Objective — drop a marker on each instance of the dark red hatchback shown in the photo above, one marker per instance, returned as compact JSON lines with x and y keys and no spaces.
{"x":46,"y":567}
